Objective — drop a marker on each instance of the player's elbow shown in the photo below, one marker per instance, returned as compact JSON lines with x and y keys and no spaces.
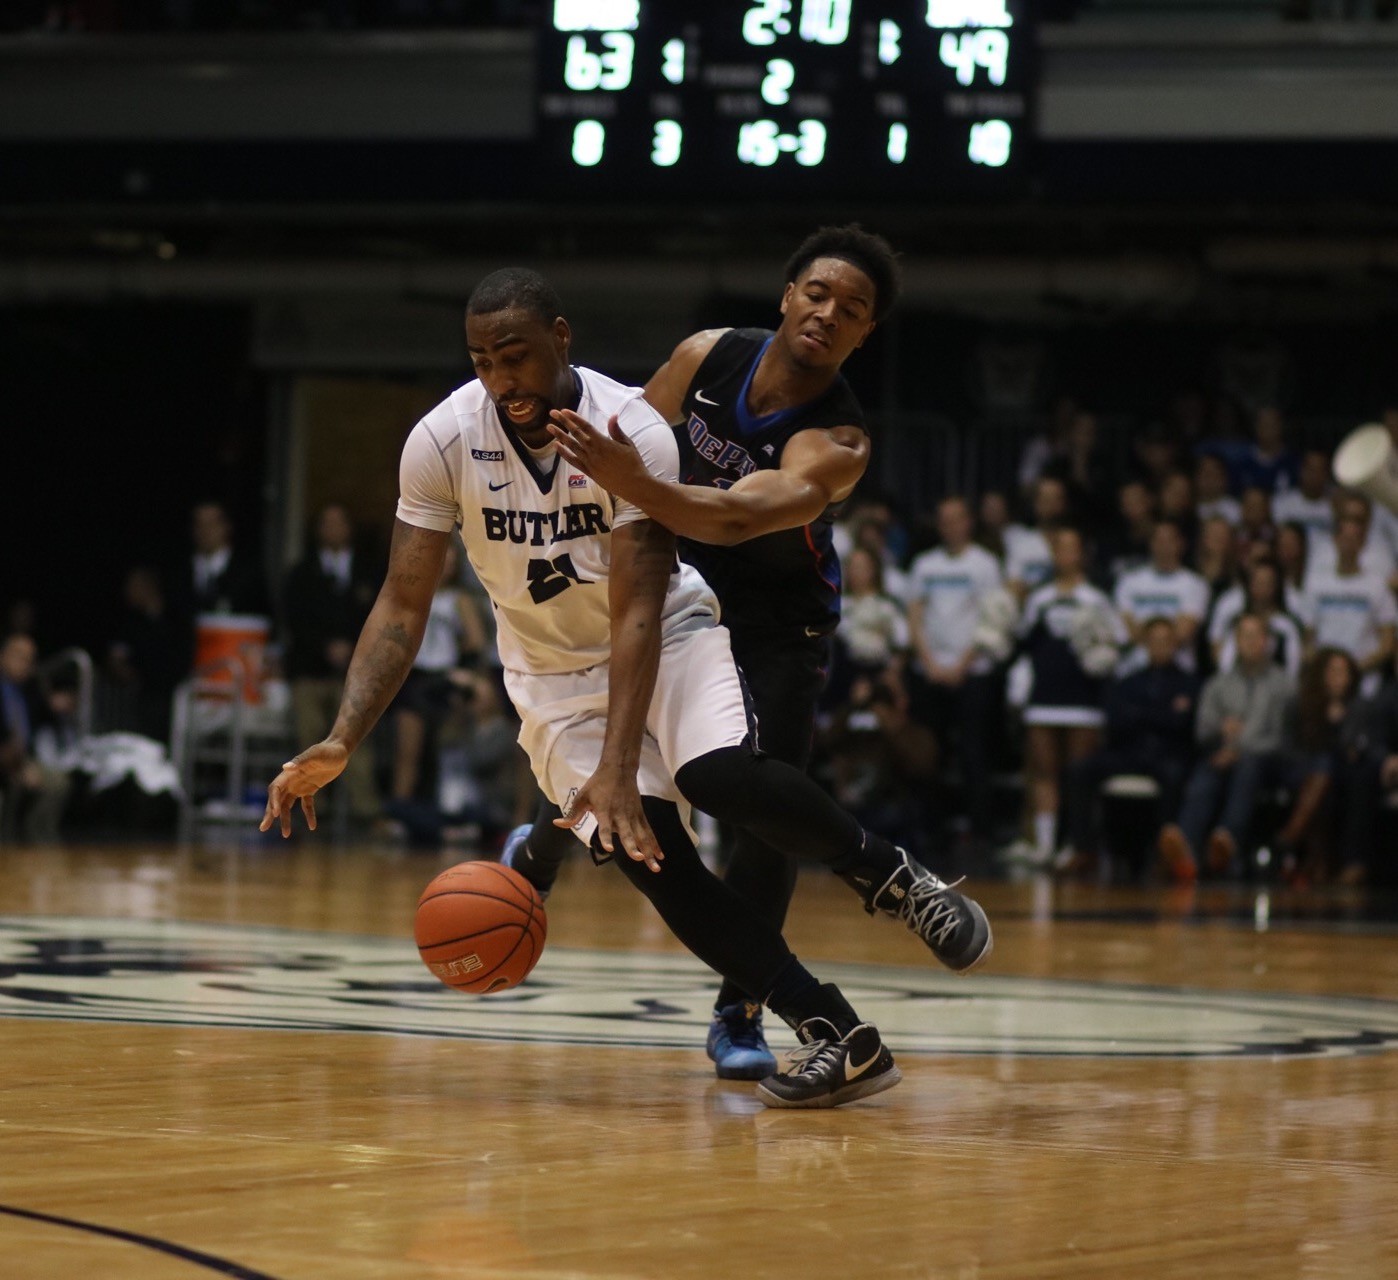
{"x":734,"y":528}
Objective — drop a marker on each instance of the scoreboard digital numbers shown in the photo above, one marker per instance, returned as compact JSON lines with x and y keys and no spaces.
{"x":773,"y":98}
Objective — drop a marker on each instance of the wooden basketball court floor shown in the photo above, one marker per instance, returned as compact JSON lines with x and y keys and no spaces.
{"x":231,"y":1063}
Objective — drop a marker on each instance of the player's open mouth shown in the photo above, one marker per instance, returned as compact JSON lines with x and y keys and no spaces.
{"x":815,"y":340}
{"x":522,"y":410}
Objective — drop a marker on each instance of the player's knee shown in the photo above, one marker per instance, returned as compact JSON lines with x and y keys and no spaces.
{"x":718,"y":782}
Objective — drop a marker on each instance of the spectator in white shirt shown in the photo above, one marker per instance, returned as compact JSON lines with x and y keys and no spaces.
{"x":1255,"y":527}
{"x":1375,"y":556}
{"x":1351,"y":609}
{"x":1128,"y":547}
{"x":1177,"y":504}
{"x":1216,"y":556}
{"x":1292,"y":551}
{"x":954,"y":688}
{"x":992,"y":523}
{"x":1163,"y":589}
{"x":1028,"y":560}
{"x":872,"y":637}
{"x":1309,"y":504}
{"x":1264,"y":596}
{"x":1212,"y":499}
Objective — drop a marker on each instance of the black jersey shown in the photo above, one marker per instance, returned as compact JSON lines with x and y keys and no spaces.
{"x":784,"y":580}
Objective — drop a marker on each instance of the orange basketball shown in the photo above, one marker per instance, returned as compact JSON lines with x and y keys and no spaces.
{"x":480,"y":927}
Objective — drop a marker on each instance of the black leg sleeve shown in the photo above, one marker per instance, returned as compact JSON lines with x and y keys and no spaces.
{"x":787,"y":810}
{"x":549,"y":845}
{"x":712,"y":921}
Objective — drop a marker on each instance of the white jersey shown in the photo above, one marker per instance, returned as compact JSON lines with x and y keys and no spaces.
{"x":1224,"y":508}
{"x":1345,"y":611}
{"x":537,"y":531}
{"x":947,"y":592}
{"x":1315,"y":515}
{"x":1147,"y":593}
{"x":1028,"y":558}
{"x":1375,"y":559}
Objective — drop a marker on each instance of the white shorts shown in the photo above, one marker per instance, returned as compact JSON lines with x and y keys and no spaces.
{"x":697,"y":707}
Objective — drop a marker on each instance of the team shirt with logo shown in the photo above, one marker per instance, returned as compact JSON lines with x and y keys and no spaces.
{"x":1376,"y":557}
{"x":1315,"y":515}
{"x":1345,"y":611}
{"x":947,"y":592}
{"x":1028,"y":558}
{"x":787,"y":581}
{"x":536,"y":530}
{"x":1147,"y":593}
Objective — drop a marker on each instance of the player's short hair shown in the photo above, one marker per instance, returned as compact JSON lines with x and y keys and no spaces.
{"x":513,"y":288}
{"x":871,"y":253}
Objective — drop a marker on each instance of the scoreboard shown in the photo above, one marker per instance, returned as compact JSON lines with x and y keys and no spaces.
{"x":837,"y":99}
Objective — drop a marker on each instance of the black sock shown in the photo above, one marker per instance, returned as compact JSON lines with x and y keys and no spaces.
{"x":765,"y":879}
{"x":546,"y":847}
{"x":868,"y":871}
{"x":797,"y":996}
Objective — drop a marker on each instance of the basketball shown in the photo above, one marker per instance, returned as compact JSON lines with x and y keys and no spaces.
{"x":480,"y":927}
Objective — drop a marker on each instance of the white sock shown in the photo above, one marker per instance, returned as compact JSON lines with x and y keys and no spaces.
{"x":1045,"y":824}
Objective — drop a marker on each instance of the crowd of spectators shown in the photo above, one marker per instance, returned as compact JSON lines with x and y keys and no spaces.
{"x":443,"y":764}
{"x":1217,"y":625}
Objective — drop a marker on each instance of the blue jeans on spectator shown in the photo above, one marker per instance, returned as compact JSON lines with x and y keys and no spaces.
{"x":1233,"y":788}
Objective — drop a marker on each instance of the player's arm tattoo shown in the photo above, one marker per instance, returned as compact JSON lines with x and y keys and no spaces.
{"x":389,"y":641}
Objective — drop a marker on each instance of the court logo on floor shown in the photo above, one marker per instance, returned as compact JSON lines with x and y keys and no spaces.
{"x":205,"y":975}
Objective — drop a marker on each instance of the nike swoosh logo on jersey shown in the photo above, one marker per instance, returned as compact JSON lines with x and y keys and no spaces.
{"x":495,"y":488}
{"x":854,"y":1070}
{"x":703,"y":399}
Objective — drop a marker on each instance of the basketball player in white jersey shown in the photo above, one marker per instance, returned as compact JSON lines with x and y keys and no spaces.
{"x":625,"y":684}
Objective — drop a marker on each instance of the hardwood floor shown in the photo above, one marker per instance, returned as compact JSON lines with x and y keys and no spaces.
{"x":1141,"y":1084}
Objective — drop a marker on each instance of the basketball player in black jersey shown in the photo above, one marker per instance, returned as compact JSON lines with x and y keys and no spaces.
{"x":771,"y":438}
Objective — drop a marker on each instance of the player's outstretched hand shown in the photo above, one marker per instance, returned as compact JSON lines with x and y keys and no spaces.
{"x":608,"y":456}
{"x":300,"y":779}
{"x":612,"y":797}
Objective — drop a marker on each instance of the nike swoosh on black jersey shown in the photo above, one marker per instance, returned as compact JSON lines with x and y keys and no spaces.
{"x":703,"y":399}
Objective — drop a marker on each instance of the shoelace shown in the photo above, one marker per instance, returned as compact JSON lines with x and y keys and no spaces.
{"x":927,"y":910}
{"x":809,"y":1058}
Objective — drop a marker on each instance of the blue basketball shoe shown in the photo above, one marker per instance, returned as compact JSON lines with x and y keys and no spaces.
{"x":736,"y":1043}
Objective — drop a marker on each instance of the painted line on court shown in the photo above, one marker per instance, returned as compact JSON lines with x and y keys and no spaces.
{"x":206,"y":1260}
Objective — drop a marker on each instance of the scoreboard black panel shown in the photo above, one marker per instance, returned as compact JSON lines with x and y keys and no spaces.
{"x":841,"y":99}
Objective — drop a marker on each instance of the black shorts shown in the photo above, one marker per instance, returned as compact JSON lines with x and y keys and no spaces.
{"x":785,"y":674}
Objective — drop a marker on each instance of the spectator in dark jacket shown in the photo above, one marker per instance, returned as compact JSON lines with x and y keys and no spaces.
{"x":1332,"y":725}
{"x":145,"y":654}
{"x":32,"y":795}
{"x":1149,"y":731}
{"x":1366,"y":775}
{"x":327,"y":598}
